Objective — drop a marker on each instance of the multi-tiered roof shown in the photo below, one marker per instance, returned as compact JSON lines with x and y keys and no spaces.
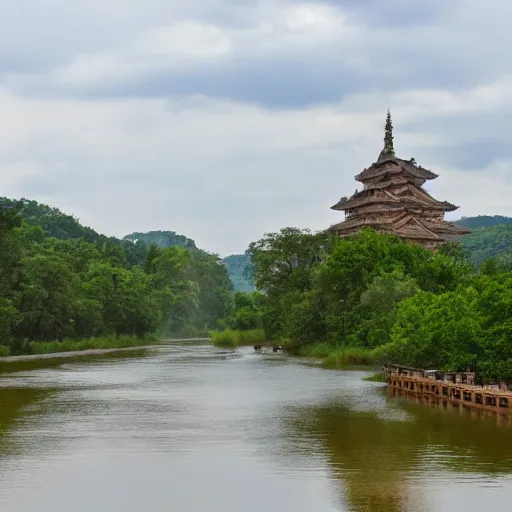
{"x":393,"y":201}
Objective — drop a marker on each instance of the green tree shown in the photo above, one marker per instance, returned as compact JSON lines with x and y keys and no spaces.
{"x":47,"y":291}
{"x":177,"y":294}
{"x":247,"y":313}
{"x":284,"y":265}
{"x":379,"y":304}
{"x":283,"y":261}
{"x":437,"y":331}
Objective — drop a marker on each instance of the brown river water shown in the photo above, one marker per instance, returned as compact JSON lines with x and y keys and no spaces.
{"x":188,"y":428}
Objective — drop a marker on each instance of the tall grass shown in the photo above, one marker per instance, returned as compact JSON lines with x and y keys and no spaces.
{"x":4,"y":351}
{"x":252,"y":336}
{"x":338,"y":357}
{"x":349,"y":356}
{"x":230,"y":338}
{"x":106,"y":342}
{"x":316,"y":350}
{"x":226,"y":338}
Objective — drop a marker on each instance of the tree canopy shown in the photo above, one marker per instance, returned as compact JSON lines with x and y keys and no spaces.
{"x":407,"y":304}
{"x":60,"y":280}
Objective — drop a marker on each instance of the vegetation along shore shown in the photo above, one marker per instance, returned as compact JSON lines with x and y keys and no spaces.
{"x":372,"y":298}
{"x":368,"y":298}
{"x":65,"y":287}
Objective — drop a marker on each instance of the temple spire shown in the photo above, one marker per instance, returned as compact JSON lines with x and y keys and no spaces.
{"x":388,"y":150}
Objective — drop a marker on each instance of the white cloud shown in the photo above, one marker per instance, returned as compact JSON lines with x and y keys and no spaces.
{"x":190,"y":44}
{"x":485,"y":192}
{"x":188,"y":129}
{"x":224,"y":172}
{"x":186,"y":40}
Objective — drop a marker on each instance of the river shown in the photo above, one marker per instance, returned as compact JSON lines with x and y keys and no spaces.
{"x":186,"y":427}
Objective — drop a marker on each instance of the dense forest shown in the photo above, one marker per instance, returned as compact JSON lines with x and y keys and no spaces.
{"x":491,"y":237}
{"x":60,"y":280}
{"x":487,"y":239}
{"x":396,"y":301}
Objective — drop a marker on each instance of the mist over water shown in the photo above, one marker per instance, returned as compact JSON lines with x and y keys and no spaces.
{"x":193,"y":428}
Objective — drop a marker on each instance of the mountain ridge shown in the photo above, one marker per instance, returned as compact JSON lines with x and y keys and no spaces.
{"x":482,"y":221}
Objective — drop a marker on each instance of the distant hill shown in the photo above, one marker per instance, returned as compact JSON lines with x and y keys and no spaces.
{"x":54,"y":222}
{"x":483,"y":221}
{"x":65,"y":227}
{"x":239,"y":268}
{"x":59,"y":225}
{"x":162,"y":239}
{"x":237,"y":265}
{"x":491,"y":241}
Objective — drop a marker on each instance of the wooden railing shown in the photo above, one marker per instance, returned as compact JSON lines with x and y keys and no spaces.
{"x":457,"y":387}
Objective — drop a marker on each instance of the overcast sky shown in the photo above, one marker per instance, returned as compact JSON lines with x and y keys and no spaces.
{"x":226,"y":119}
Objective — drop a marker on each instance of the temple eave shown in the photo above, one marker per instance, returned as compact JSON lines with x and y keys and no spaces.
{"x":403,"y":226}
{"x":354,"y":204}
{"x":395,"y":166}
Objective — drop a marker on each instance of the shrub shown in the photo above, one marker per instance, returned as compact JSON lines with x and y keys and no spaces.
{"x":232,"y":338}
{"x":252,"y":335}
{"x":338,"y":357}
{"x":227,"y":338}
{"x":316,"y":350}
{"x":348,"y":357}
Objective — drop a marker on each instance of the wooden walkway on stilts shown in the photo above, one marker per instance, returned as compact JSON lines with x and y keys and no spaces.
{"x":455,"y":387}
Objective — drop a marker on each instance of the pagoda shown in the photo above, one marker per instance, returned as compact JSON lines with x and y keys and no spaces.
{"x":393,"y":201}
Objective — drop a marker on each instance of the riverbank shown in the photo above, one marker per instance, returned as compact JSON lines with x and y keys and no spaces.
{"x":338,"y":357}
{"x":75,"y":353}
{"x":325,"y":354}
{"x":101,"y":343}
{"x":63,"y":354}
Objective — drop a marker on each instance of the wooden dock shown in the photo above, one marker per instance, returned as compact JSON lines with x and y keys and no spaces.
{"x":459,"y":388}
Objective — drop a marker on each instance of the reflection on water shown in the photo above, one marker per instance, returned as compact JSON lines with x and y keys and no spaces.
{"x":390,"y":465}
{"x":461,"y":408}
{"x":15,"y":405}
{"x":189,"y":427}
